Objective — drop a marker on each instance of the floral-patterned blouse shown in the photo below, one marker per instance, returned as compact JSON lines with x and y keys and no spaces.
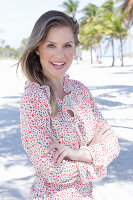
{"x":70,"y":180}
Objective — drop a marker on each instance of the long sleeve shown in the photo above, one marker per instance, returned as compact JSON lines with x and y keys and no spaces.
{"x":102,"y":153}
{"x":34,"y":123}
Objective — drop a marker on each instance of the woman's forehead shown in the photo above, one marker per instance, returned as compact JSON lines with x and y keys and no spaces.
{"x":60,"y":33}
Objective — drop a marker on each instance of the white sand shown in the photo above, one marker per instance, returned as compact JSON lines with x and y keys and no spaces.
{"x":113,"y":89}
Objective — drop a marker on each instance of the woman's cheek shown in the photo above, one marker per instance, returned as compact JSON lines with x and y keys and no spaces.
{"x":70,"y":53}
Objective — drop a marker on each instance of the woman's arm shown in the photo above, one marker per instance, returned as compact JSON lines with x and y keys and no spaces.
{"x":35,"y":125}
{"x":102,"y":150}
{"x":102,"y":132}
{"x":104,"y":147}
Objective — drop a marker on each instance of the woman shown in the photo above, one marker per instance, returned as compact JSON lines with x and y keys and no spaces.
{"x":63,"y":132}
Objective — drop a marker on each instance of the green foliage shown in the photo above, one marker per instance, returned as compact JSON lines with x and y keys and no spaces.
{"x":98,"y":23}
{"x":91,"y":27}
{"x":70,"y":7}
{"x":127,"y":8}
{"x":8,"y":52}
{"x":90,"y":10}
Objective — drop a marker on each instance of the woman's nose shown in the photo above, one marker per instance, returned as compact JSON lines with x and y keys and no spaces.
{"x":60,"y":52}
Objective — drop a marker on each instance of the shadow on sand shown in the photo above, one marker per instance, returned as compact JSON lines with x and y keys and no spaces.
{"x":111,"y":92}
{"x":121,"y":168}
{"x":11,"y":150}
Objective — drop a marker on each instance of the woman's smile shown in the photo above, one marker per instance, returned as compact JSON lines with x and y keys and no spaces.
{"x":58,"y":65}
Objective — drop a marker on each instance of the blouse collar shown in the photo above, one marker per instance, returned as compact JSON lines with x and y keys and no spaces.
{"x":67,"y":85}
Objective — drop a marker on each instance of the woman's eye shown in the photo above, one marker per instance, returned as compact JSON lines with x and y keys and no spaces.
{"x":68,"y":45}
{"x":51,"y":46}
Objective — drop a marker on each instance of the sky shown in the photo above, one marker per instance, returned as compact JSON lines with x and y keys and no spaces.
{"x":17,"y":17}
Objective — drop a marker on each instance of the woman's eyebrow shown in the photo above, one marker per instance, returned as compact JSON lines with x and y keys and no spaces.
{"x":55,"y":42}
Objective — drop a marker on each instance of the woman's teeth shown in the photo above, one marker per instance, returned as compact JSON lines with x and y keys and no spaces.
{"x":58,"y":64}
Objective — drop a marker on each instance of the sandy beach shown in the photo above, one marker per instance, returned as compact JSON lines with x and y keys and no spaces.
{"x":112,"y":88}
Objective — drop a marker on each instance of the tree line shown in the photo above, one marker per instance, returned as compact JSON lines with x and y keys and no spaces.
{"x":111,"y":21}
{"x":6,"y":51}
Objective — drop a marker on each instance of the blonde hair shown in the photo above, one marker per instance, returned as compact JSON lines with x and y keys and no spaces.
{"x":30,"y":61}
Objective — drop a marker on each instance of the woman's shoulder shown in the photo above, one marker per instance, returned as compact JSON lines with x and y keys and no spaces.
{"x":79,"y":87}
{"x":73,"y":83}
{"x":33,"y":90}
{"x":34,"y":99}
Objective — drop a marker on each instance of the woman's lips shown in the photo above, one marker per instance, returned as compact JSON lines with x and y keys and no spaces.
{"x":58,"y":65}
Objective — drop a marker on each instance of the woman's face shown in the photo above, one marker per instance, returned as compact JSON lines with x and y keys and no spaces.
{"x":56,"y":52}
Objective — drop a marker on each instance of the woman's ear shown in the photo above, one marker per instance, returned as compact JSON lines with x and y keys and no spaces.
{"x":37,"y":52}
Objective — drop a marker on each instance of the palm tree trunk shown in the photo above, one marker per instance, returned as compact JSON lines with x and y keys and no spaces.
{"x":91,"y":54}
{"x":121,"y":44}
{"x":113,"y":53}
{"x":100,"y":49}
{"x":73,"y":14}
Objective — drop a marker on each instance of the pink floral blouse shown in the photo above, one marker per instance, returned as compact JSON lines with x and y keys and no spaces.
{"x":71,"y":180}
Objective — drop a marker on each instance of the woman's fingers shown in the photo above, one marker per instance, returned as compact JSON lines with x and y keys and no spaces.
{"x":56,"y":155}
{"x":60,"y":154}
{"x":102,"y":127}
{"x":50,"y":147}
{"x":54,"y":145}
{"x":105,"y":128}
{"x":53,"y":137}
{"x":62,"y":151}
{"x":106,"y":134}
{"x":99,"y":125}
{"x":61,"y":157}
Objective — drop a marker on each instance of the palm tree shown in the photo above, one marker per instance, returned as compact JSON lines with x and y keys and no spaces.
{"x":108,"y":14}
{"x":91,"y":30}
{"x":70,"y":7}
{"x":114,"y":26}
{"x":90,"y":36}
{"x":121,"y":33}
{"x":90,"y":12}
{"x":127,"y":8}
{"x":116,"y":29}
{"x":102,"y":22}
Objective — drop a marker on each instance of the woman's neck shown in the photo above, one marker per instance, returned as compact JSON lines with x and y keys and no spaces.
{"x":57,"y":86}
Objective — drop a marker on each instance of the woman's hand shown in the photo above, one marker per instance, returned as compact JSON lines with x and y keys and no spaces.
{"x":103,"y":130}
{"x":63,"y":152}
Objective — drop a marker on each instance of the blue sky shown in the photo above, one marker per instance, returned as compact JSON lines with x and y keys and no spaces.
{"x":17,"y":17}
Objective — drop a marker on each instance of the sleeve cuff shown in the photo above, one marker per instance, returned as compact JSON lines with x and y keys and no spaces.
{"x":96,"y":153}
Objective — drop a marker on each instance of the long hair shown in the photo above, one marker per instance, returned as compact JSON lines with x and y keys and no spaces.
{"x":30,"y":61}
